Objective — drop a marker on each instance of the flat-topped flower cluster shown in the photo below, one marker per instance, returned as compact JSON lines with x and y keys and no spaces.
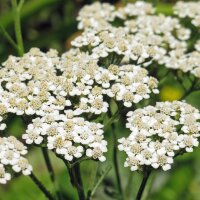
{"x":12,"y":159}
{"x":159,"y":134}
{"x":138,"y":35}
{"x":40,"y":83}
{"x":190,"y":10}
{"x":69,"y":136}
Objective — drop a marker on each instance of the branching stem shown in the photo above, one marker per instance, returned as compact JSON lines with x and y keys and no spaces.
{"x":115,"y":162}
{"x":50,"y":169}
{"x":143,"y":184}
{"x":8,"y":38}
{"x":17,"y":23}
{"x":75,"y":175}
{"x":41,"y":187}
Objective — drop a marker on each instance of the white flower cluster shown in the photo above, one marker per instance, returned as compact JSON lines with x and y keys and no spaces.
{"x":54,"y":91}
{"x":139,"y":35}
{"x":99,"y":15}
{"x":135,"y":34}
{"x":159,"y":134}
{"x":116,"y":42}
{"x":127,"y":83}
{"x":68,"y":136}
{"x":89,"y":17}
{"x":27,"y":84}
{"x":12,"y":157}
{"x":188,"y":62}
{"x":39,"y":83}
{"x":57,"y":96}
{"x":188,"y":9}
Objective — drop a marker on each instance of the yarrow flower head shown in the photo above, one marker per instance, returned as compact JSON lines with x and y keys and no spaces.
{"x":12,"y":158}
{"x":127,"y":83}
{"x":95,"y":15}
{"x":68,"y":136}
{"x":133,"y":32}
{"x":190,"y":10}
{"x":24,"y":86}
{"x":187,"y":63}
{"x":159,"y":134}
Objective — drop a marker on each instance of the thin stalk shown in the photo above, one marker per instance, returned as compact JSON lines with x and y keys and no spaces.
{"x":92,"y":180}
{"x":8,"y":38}
{"x":17,"y":23}
{"x":76,"y":177}
{"x":113,"y":117}
{"x":79,"y":161}
{"x":111,"y":120}
{"x":143,"y":184}
{"x":115,"y":162}
{"x":41,"y":187}
{"x":48,"y":164}
{"x":115,"y":158}
{"x":91,"y":194}
{"x":115,"y":150}
{"x":50,"y":169}
{"x":128,"y":190}
{"x":150,"y":185}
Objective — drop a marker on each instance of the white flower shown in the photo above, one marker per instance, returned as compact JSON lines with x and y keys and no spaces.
{"x":4,"y":176}
{"x":188,"y":142}
{"x":2,"y":126}
{"x":9,"y":157}
{"x":161,"y":160}
{"x":23,"y":166}
{"x":32,"y":137}
{"x":84,"y":137}
{"x":96,"y":153}
{"x":147,"y":156}
{"x":58,"y":143}
{"x":73,"y":152}
{"x":98,"y":106}
{"x":132,"y":162}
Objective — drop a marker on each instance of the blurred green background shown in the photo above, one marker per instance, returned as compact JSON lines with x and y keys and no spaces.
{"x":52,"y":24}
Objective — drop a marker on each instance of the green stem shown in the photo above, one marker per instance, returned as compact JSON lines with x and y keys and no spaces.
{"x":111,"y":120}
{"x":115,"y":161}
{"x":92,"y":180}
{"x":143,"y":184}
{"x":128,"y":190}
{"x":17,"y":23}
{"x":76,"y":176}
{"x":79,"y":161}
{"x":150,"y":185}
{"x":48,"y":164}
{"x":50,"y":169}
{"x":115,"y":158}
{"x":8,"y":37}
{"x":91,"y":194}
{"x":41,"y":187}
